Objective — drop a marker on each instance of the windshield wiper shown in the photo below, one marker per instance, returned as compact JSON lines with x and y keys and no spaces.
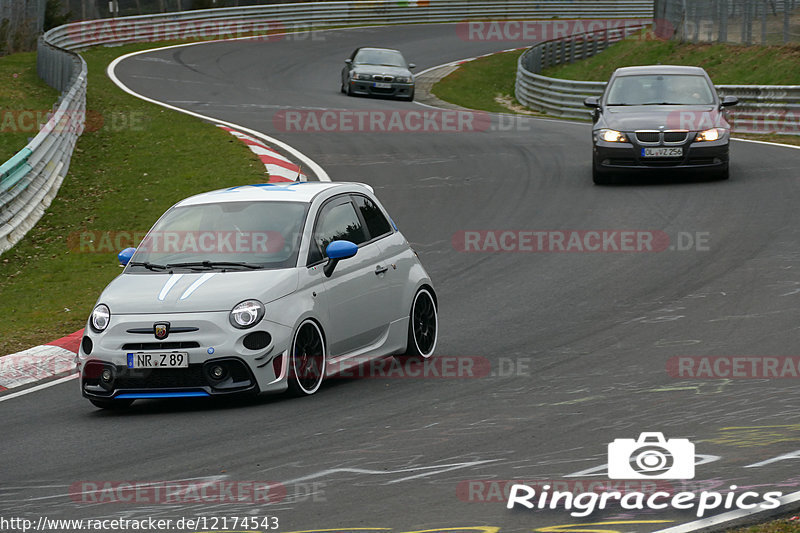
{"x":147,"y":265}
{"x":209,"y":265}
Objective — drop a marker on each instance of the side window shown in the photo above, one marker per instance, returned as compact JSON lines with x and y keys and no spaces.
{"x":337,"y":221}
{"x":377,"y":225}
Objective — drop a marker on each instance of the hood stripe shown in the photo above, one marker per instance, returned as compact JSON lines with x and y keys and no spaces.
{"x":196,"y":285}
{"x":175,"y":278}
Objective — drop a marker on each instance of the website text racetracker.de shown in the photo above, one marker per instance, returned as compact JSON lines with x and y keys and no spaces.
{"x":577,"y":241}
{"x":103,"y":525}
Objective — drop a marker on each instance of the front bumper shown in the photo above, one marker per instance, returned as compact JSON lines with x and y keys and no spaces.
{"x":253,"y":360}
{"x":369,"y":88}
{"x":610,"y":156}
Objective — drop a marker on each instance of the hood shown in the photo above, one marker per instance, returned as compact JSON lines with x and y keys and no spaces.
{"x":670,"y":117}
{"x":193,"y":292}
{"x":381,"y":69}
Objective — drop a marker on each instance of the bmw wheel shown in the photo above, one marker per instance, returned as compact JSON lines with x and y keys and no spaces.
{"x":307,"y":361}
{"x":423,"y":326}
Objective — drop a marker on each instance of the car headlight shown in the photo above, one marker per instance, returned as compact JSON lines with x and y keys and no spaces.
{"x":246,"y":314}
{"x":358,"y":76}
{"x":709,"y":135}
{"x":101,"y":316}
{"x":402,"y":79}
{"x":612,"y":136}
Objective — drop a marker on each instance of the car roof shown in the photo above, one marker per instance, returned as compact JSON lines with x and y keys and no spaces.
{"x":659,"y":69}
{"x":374,"y":48}
{"x":298,"y":191}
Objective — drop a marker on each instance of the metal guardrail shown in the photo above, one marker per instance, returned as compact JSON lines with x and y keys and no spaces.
{"x":30,"y":179}
{"x":761,"y":109}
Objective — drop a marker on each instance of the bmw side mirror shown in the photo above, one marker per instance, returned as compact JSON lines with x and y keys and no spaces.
{"x":592,"y":101}
{"x":412,"y":65}
{"x":728,"y":101}
{"x":125,"y":256}
{"x":336,"y":251}
{"x":348,"y":61}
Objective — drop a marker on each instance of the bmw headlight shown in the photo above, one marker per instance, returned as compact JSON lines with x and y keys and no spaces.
{"x":101,"y":316}
{"x":709,"y":135}
{"x":246,"y":314}
{"x":612,"y":136}
{"x":402,"y":79}
{"x":365,"y":77}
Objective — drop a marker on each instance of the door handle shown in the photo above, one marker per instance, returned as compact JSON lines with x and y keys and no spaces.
{"x":380,"y":270}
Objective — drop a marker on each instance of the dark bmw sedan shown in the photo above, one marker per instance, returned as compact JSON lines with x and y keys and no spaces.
{"x":659,"y":117}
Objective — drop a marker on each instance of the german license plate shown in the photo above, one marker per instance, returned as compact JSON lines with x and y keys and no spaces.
{"x":662,"y":151}
{"x":158,"y":360}
{"x":382,"y":85}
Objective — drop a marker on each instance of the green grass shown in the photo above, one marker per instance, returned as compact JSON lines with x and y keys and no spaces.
{"x":786,"y":525}
{"x":726,"y":64}
{"x":22,"y":90}
{"x":133,"y":162}
{"x":477,"y":83}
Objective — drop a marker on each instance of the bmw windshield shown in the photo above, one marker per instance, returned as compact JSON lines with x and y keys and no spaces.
{"x":229,"y":236}
{"x":659,"y":89}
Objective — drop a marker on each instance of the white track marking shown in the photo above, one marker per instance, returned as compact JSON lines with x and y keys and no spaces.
{"x":38,"y":387}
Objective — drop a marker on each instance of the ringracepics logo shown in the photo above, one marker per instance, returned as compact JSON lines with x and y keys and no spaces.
{"x":650,"y":457}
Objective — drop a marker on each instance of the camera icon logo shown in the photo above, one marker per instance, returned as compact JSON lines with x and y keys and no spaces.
{"x":651,"y":457}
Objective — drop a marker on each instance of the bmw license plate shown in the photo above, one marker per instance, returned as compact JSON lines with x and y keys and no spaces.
{"x":662,"y":152}
{"x":378,"y":85}
{"x":158,"y":360}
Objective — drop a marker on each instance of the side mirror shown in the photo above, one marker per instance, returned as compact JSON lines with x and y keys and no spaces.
{"x":592,"y":101}
{"x":412,"y":65}
{"x":729,"y":101}
{"x":348,"y":61}
{"x":336,"y":251}
{"x":125,"y":255}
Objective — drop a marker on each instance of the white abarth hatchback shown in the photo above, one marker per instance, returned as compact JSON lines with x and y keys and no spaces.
{"x":255,"y":289}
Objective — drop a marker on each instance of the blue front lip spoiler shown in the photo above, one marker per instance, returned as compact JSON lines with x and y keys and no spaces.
{"x":156,"y":395}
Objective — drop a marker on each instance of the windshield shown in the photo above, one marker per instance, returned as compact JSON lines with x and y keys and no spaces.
{"x":223,"y":236}
{"x":659,"y":89}
{"x":389,"y":58}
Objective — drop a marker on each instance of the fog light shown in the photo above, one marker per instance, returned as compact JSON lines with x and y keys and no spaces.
{"x":106,"y":375}
{"x":217,"y":372}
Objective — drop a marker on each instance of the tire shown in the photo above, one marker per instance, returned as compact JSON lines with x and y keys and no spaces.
{"x":112,"y":405}
{"x":599,"y":177}
{"x":423,"y":326}
{"x":349,"y":90}
{"x":307,"y":360}
{"x":725,"y":172}
{"x":409,"y":98}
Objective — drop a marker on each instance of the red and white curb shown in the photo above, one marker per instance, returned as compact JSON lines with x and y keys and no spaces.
{"x":279,"y":167}
{"x":40,"y":362}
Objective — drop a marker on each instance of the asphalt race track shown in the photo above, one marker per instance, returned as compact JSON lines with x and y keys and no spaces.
{"x":578,"y":342}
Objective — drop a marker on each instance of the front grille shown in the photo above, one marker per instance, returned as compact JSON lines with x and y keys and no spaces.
{"x":160,"y":378}
{"x":379,"y":77}
{"x":382,"y":90}
{"x":175,"y":345}
{"x":675,"y":136}
{"x":648,"y":136}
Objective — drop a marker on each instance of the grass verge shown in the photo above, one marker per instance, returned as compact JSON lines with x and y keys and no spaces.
{"x":785,"y":525}
{"x":133,"y":162}
{"x":488,"y":83}
{"x":24,"y":101}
